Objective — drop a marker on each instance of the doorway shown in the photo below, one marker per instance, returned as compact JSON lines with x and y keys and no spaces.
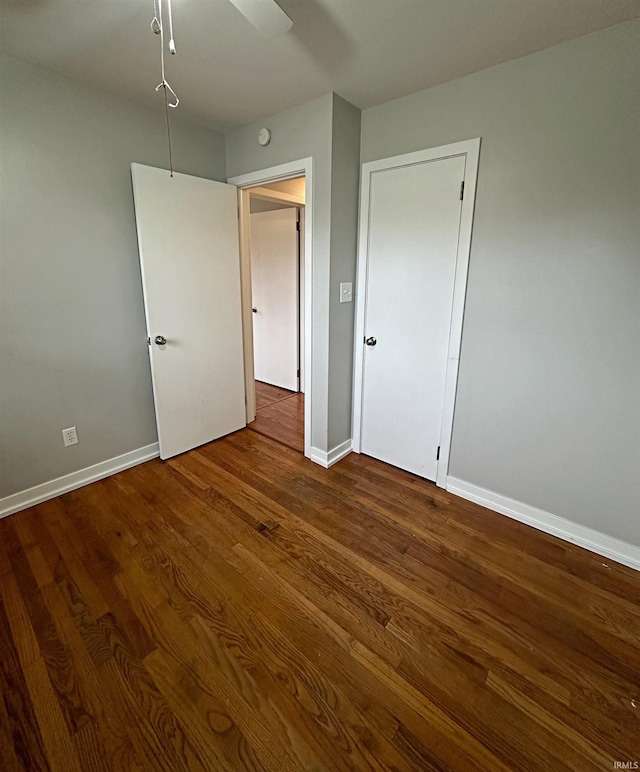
{"x":277,"y":352}
{"x":277,"y":296}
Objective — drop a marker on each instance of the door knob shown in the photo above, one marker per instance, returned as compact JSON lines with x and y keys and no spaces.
{"x":160,"y":340}
{"x":370,"y":341}
{"x":255,"y":310}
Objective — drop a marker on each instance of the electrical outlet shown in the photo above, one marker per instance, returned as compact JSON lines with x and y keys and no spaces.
{"x":70,"y":436}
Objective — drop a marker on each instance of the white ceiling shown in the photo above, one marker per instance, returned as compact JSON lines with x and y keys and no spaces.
{"x":227,"y":74}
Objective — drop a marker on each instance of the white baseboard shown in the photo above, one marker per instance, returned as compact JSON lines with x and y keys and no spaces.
{"x":49,"y":490}
{"x":595,"y":541}
{"x":333,"y":456}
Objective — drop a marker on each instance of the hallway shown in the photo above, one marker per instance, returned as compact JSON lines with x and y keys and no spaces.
{"x":279,"y":415}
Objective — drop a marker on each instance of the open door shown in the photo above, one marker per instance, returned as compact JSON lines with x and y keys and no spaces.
{"x":188,"y":244}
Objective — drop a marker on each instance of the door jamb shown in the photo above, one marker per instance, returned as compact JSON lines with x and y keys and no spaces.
{"x":265,"y":194}
{"x":243,"y":182}
{"x":471,"y":150}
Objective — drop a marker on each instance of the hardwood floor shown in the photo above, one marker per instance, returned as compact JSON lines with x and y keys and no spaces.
{"x":242,"y":608}
{"x":266,"y":394}
{"x":279,"y":415}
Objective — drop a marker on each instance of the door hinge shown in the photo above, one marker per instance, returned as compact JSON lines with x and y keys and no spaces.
{"x":462,"y":190}
{"x":298,"y":373}
{"x":438,"y":454}
{"x":297,"y":225}
{"x":148,"y":341}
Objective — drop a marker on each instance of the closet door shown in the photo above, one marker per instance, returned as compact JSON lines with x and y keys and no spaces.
{"x":414,"y":214}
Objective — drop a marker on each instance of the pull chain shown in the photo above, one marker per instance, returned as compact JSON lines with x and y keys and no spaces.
{"x":158,"y":27}
{"x":172,"y":45}
{"x":166,"y":112}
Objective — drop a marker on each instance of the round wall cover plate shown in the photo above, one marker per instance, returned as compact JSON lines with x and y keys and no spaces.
{"x":264,"y":137}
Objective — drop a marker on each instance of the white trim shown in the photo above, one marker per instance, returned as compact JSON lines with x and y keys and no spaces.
{"x":471,"y":150}
{"x":333,"y":456}
{"x":244,"y":232}
{"x":595,"y":541}
{"x":262,"y":177}
{"x":69,"y":482}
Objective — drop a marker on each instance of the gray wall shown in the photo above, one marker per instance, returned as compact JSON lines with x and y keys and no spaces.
{"x":328,"y":129}
{"x":73,"y":348}
{"x":548,"y":405}
{"x":345,"y":189}
{"x":299,"y":133}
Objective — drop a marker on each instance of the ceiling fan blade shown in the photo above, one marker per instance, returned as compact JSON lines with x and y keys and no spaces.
{"x":265,"y":15}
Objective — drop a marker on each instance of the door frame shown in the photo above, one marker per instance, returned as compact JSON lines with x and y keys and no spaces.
{"x":470,"y":149}
{"x":287,"y":171}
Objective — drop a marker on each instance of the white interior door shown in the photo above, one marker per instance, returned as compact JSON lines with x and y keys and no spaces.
{"x":274,"y":285}
{"x":188,"y":244}
{"x":414,"y":224}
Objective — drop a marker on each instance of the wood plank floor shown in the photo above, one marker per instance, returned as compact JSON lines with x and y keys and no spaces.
{"x":242,"y":608}
{"x":266,"y":394}
{"x":279,"y":415}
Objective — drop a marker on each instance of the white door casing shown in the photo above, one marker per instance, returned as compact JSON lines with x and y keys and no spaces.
{"x":188,"y":244}
{"x":274,"y":285}
{"x":412,"y":266}
{"x":301,"y":168}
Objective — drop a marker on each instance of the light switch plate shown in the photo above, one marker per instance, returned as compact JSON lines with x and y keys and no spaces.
{"x":346,"y":292}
